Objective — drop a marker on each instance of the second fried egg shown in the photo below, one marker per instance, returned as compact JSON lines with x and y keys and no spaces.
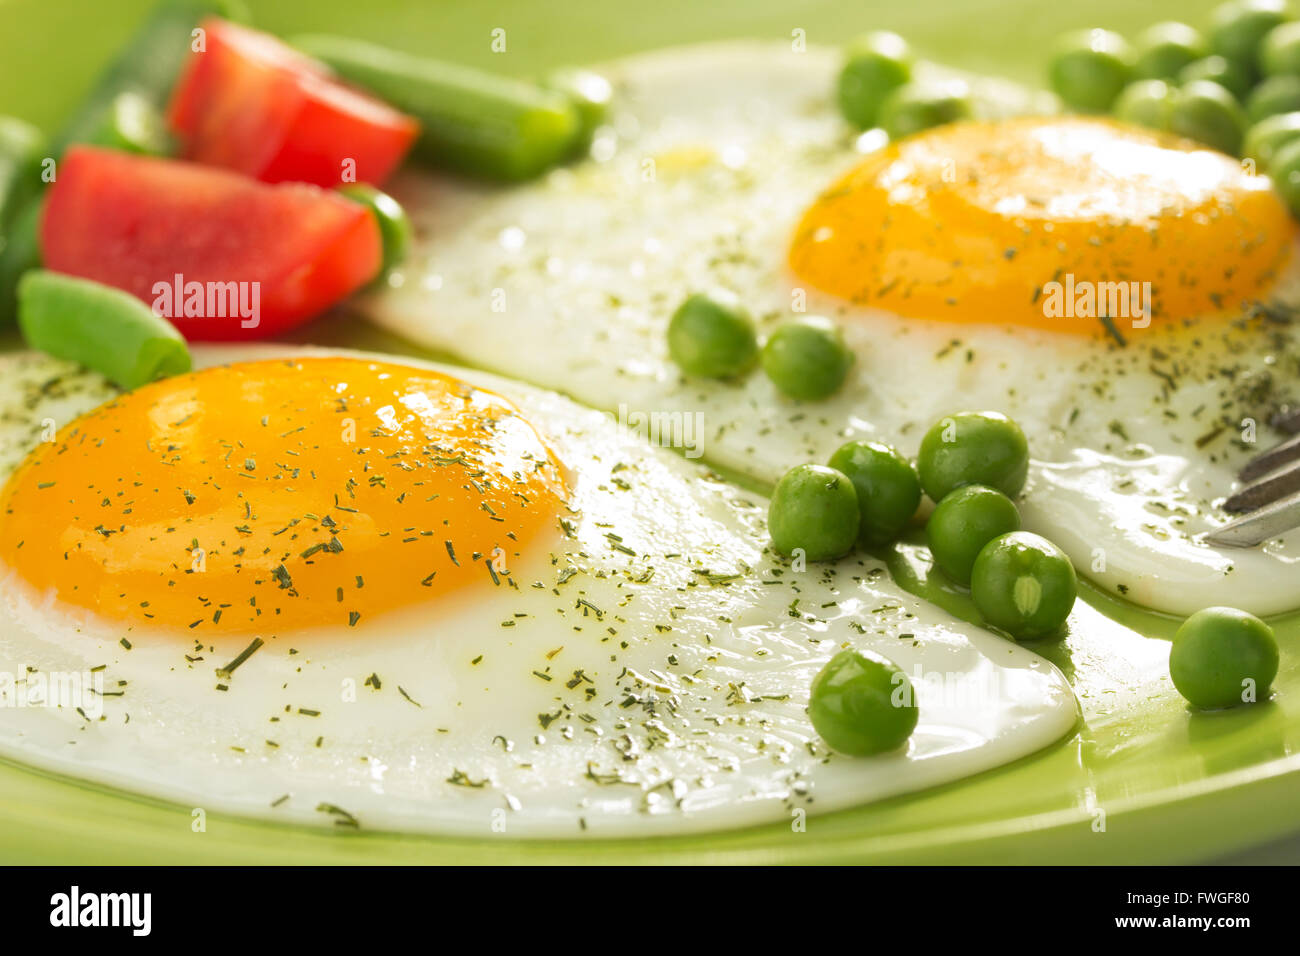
{"x":941,"y":258}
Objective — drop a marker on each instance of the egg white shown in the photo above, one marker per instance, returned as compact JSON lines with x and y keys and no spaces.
{"x":711,"y":157}
{"x":649,"y":674}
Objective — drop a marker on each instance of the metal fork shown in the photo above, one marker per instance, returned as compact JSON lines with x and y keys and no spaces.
{"x":1269,"y":503}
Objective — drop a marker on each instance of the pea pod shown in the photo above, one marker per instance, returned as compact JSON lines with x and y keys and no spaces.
{"x":394,"y":226}
{"x":139,"y":80}
{"x":21,"y":252}
{"x":471,"y":122}
{"x":133,"y":124}
{"x":102,"y":328}
{"x":21,"y":150}
{"x":590,"y":93}
{"x":147,"y":66}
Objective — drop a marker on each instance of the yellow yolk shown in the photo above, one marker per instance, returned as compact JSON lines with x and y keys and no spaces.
{"x":982,"y":222}
{"x":276,"y":495}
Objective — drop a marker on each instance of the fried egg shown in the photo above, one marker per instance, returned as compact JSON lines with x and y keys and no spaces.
{"x":974,"y":266}
{"x":360,"y":591}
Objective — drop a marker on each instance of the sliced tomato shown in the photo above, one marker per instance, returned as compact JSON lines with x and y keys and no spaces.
{"x":251,"y":103}
{"x":154,"y":226}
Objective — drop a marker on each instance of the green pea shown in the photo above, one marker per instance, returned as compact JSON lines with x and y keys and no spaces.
{"x":1229,"y":74}
{"x":1207,"y":113}
{"x":916,"y":107}
{"x":1265,"y":138}
{"x":875,"y":65}
{"x":1284,"y":170}
{"x":712,"y":336}
{"x":1090,"y":68}
{"x":887,"y":488}
{"x":1277,"y":94}
{"x":1237,"y":29}
{"x":1221,"y":657}
{"x":862,"y":705}
{"x":590,"y":93}
{"x":963,"y":522}
{"x":973,"y":448}
{"x":394,"y":226}
{"x":1023,"y":585}
{"x":813,"y":509}
{"x":1146,"y":103}
{"x":1165,"y":48}
{"x":807,"y":358}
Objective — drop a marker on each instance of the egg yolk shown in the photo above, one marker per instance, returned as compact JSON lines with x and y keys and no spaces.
{"x":1052,"y":223}
{"x":277,"y":495}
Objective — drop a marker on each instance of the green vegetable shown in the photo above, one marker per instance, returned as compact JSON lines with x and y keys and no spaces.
{"x":1207,"y":113}
{"x":22,"y":147}
{"x":862,"y":705}
{"x":963,"y":522}
{"x":140,"y":79}
{"x":813,"y":509}
{"x":1238,"y":29}
{"x":1279,"y":54}
{"x":394,"y":226}
{"x":1277,"y":94}
{"x":147,"y":66}
{"x":887,"y":488}
{"x":471,"y":121}
{"x":1284,"y":170}
{"x":807,"y":358}
{"x":916,"y":107}
{"x":103,"y":328}
{"x":1023,"y":585}
{"x":1221,"y":657}
{"x":1090,"y":68}
{"x":1146,"y":103}
{"x":1165,"y":48}
{"x":1265,"y":138}
{"x":1229,"y":74}
{"x":712,"y":336}
{"x":133,"y":124}
{"x":875,"y":65}
{"x":21,"y":252}
{"x":590,"y":93}
{"x":973,"y":448}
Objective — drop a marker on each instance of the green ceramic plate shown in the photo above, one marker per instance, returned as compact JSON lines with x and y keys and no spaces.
{"x":1143,"y":781}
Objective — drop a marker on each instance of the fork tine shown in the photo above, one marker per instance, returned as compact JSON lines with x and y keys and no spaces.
{"x":1260,"y":525}
{"x":1287,"y":421}
{"x":1270,"y":500}
{"x":1273,"y":458}
{"x":1274,"y":485}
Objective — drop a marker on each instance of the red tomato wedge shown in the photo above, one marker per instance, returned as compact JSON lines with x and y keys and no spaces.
{"x":251,"y":103}
{"x":163,"y":229}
